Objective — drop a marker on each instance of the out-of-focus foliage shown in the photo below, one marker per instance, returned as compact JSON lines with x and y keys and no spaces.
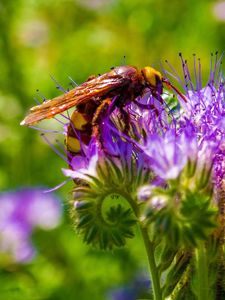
{"x":78,"y":38}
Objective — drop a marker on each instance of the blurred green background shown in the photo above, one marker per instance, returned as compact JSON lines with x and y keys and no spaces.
{"x":78,"y":38}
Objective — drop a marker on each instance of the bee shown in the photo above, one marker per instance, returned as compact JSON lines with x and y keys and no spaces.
{"x":97,"y":98}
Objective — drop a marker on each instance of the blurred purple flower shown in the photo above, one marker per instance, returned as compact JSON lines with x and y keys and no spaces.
{"x":20,"y":212}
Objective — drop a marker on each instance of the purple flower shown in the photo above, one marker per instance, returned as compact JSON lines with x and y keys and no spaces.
{"x":169,"y":153}
{"x":14,"y":240}
{"x":164,"y":132}
{"x":81,"y":166}
{"x":116,"y":148}
{"x":20,"y":212}
{"x":204,"y":112}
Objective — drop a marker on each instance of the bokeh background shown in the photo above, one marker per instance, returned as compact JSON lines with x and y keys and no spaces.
{"x":78,"y":38}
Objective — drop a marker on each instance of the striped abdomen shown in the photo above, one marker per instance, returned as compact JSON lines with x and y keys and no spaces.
{"x":80,"y":127}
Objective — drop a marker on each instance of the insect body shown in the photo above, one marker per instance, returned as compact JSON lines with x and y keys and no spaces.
{"x":100,"y":96}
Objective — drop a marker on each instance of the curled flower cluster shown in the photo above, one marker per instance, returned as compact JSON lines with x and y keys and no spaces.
{"x":20,"y":213}
{"x":169,"y":134}
{"x":174,"y":148}
{"x":163,"y":170}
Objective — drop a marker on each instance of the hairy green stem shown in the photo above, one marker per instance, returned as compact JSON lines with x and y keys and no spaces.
{"x":154,"y":274}
{"x":202,"y":273}
{"x":155,"y":280}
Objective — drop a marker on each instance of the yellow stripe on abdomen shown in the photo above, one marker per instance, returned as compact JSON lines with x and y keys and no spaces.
{"x":78,"y":120}
{"x":72,"y":144}
{"x":76,"y":132}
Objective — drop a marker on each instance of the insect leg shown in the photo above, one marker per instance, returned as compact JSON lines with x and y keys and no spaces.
{"x":100,"y":113}
{"x":126,"y":118}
